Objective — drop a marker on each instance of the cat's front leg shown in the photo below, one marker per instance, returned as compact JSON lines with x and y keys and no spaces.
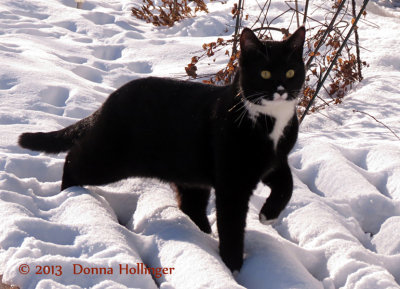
{"x":280,"y":181}
{"x":232,"y":207}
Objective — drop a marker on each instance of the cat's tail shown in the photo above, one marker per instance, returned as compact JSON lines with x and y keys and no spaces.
{"x":57,"y":141}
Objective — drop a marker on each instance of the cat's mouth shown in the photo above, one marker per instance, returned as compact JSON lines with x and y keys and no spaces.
{"x":265,"y":97}
{"x":276,"y":97}
{"x":280,"y":96}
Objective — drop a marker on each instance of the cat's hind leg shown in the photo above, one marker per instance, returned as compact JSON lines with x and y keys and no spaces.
{"x":92,"y":165}
{"x":280,"y":181}
{"x":193,"y":202}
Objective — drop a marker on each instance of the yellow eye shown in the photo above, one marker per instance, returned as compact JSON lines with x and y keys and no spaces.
{"x":265,"y":74}
{"x":290,"y":73}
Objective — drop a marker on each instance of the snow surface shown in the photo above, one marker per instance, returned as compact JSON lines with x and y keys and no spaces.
{"x":58,"y":64}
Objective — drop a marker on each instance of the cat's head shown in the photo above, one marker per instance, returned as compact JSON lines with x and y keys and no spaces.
{"x":271,"y":70}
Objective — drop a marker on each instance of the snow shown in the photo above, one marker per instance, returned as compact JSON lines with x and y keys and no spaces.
{"x":58,"y":64}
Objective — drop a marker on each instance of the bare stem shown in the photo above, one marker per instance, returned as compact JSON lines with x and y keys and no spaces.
{"x":297,"y":13}
{"x":360,"y":77}
{"x":378,"y":121}
{"x":237,"y":27}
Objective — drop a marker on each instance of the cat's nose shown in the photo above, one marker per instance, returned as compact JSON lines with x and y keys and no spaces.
{"x":280,"y":93}
{"x":280,"y":90}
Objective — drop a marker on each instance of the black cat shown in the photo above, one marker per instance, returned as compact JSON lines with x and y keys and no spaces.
{"x":197,"y":137}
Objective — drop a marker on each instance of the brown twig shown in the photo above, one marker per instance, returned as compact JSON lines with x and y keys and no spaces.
{"x":378,"y":121}
{"x":353,"y":2}
{"x":283,"y":30}
{"x":238,"y":24}
{"x":297,"y":13}
{"x":305,"y":13}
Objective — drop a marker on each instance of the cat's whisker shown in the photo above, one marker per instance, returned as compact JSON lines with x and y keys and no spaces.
{"x":261,"y":93}
{"x":295,"y":92}
{"x":251,"y":92}
{"x":237,"y":104}
{"x":257,"y":97}
{"x":258,"y":100}
{"x":241,"y":116}
{"x":257,"y":94}
{"x":242,"y":108}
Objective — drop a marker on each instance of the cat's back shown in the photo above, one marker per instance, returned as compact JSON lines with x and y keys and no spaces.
{"x":166,"y":89}
{"x":167,"y":100}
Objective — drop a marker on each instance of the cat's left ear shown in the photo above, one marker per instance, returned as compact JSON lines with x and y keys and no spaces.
{"x":249,"y":41}
{"x":296,"y":40}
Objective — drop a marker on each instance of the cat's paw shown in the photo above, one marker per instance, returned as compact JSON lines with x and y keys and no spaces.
{"x":265,"y":221}
{"x":235,"y":274}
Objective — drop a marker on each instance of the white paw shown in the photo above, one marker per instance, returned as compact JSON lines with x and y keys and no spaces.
{"x":263,"y":220}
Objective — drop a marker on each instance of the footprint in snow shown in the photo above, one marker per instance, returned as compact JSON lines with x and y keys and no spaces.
{"x":6,"y":47}
{"x":72,"y":59}
{"x":55,"y":95}
{"x":69,"y":25}
{"x":157,"y":42}
{"x":83,"y":40}
{"x":47,"y":232}
{"x":42,"y":168}
{"x":100,"y":18}
{"x":364,"y":161}
{"x":86,"y":5}
{"x":5,"y":15}
{"x":52,"y":100}
{"x":108,"y":52}
{"x":134,"y":35}
{"x":37,"y":32}
{"x":127,"y":26}
{"x":88,"y":73}
{"x":141,"y":67}
{"x":7,"y":82}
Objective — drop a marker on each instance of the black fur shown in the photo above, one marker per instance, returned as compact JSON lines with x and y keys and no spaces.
{"x":194,"y":135}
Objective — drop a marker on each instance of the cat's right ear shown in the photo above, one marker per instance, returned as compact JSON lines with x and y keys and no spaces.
{"x":249,"y":41}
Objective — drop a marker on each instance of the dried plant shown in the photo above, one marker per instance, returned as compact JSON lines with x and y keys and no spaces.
{"x":321,"y":48}
{"x":167,"y":12}
{"x":346,"y":70}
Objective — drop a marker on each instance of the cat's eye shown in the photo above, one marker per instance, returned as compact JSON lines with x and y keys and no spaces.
{"x":290,"y":73}
{"x":265,"y":74}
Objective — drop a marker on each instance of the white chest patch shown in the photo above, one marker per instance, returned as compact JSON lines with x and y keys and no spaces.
{"x":281,"y":110}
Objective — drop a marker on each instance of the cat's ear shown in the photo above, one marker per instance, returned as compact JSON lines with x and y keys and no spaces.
{"x":249,"y":41}
{"x":296,"y":40}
